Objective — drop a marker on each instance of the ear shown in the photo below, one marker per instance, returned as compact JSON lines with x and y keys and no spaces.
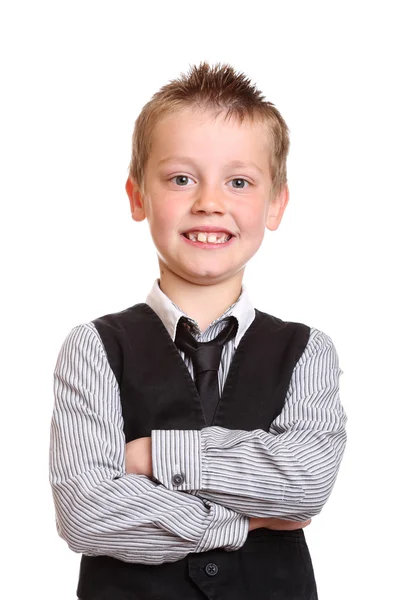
{"x":135,"y":200}
{"x":276,"y":208}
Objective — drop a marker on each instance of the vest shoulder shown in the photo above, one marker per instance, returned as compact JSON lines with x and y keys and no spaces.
{"x":120,"y":319}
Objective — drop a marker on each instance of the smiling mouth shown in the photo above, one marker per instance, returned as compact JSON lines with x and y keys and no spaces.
{"x":217,"y":237}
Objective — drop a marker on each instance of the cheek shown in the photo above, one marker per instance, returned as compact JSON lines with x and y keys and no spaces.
{"x":165,"y":217}
{"x":253,"y":218}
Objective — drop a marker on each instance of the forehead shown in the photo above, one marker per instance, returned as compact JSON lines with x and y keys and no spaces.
{"x":194,"y":131}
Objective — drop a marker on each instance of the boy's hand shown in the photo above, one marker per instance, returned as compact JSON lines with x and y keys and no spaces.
{"x":275,"y":523}
{"x":138,"y":459}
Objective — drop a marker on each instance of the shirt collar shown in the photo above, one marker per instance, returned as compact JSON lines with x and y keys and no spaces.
{"x":170,"y":313}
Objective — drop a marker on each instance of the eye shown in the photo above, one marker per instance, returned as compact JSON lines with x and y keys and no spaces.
{"x":241,"y":183}
{"x":182,"y":180}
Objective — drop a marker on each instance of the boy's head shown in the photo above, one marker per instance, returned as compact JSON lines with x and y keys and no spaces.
{"x":195,"y":138}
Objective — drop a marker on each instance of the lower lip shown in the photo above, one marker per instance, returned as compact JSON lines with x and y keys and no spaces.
{"x":207,"y":244}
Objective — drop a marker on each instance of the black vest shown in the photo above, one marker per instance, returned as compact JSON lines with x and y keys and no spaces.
{"x":156,"y":391}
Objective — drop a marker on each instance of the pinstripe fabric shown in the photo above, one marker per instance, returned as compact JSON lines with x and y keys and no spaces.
{"x":229,"y":475}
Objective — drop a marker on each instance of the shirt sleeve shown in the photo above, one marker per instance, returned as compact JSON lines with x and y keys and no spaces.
{"x":100,"y":509}
{"x":287,"y":472}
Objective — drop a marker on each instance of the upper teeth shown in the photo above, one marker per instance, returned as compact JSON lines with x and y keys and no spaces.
{"x":211,"y":238}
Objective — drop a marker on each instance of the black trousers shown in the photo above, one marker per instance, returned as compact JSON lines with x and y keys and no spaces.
{"x":272,"y":565}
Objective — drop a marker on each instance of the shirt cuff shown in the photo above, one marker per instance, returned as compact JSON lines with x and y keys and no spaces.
{"x":227,"y":527}
{"x":176,"y":458}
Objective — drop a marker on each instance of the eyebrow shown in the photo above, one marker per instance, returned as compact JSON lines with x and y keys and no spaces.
{"x":232,"y":163}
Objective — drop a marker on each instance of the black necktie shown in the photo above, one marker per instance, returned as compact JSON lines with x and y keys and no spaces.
{"x":206,"y":357}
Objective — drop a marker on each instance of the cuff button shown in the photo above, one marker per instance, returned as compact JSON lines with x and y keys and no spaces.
{"x":178,"y":479}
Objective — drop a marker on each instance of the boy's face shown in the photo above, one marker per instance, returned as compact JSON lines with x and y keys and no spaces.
{"x":211,"y":176}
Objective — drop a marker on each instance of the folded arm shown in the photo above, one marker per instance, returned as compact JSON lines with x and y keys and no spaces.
{"x":287,"y":472}
{"x":100,"y":509}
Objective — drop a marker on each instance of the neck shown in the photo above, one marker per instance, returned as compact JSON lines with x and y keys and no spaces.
{"x":203,"y":303}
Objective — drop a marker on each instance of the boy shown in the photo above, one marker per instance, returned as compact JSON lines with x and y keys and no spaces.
{"x":193,"y":436}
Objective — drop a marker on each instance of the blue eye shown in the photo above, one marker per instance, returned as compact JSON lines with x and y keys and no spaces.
{"x":241,"y":181}
{"x":182,"y":180}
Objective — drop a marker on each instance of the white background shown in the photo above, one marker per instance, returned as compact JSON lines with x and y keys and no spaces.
{"x":74,"y":77}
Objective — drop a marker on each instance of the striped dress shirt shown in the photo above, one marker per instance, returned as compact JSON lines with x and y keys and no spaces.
{"x":230,"y":475}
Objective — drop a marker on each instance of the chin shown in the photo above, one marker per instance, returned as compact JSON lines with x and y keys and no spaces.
{"x":202,"y":274}
{"x":209,"y":277}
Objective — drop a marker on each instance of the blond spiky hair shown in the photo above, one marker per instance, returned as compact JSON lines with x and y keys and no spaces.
{"x":218,"y":88}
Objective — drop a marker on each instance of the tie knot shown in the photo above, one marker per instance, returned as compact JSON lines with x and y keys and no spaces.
{"x":205,"y":356}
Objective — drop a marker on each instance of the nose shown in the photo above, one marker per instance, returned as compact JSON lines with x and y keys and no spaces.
{"x":208,"y":200}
